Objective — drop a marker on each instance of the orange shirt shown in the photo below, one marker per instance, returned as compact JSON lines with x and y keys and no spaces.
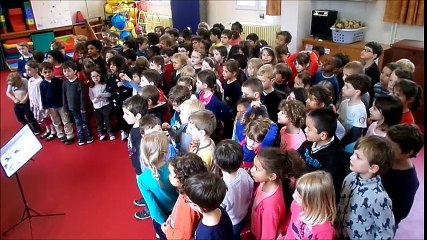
{"x":407,"y":117}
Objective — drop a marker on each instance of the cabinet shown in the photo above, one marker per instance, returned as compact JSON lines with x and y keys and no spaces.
{"x":353,"y":50}
{"x":414,"y":51}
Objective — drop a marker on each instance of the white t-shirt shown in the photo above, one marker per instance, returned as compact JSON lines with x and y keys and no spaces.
{"x":373,"y":131}
{"x":352,"y":116}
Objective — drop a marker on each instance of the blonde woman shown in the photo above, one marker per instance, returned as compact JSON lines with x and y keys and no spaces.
{"x":313,"y":209}
{"x":159,"y":194}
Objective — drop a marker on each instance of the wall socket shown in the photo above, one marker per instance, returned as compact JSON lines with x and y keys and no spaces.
{"x":261,"y":15}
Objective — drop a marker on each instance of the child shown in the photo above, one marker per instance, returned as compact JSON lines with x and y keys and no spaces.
{"x":302,"y":62}
{"x":365,"y":209}
{"x":282,"y":75}
{"x":215,"y":37}
{"x":229,"y":158}
{"x":302,"y":80}
{"x":114,"y":37}
{"x":268,"y":55}
{"x":142,"y":46}
{"x":292,"y":116}
{"x":313,"y":208}
{"x":253,"y":65}
{"x":236,"y":30}
{"x":205,"y":192}
{"x":101,"y":105}
{"x":159,"y":30}
{"x":259,"y":133}
{"x":352,"y":112}
{"x":220,"y":54}
{"x":396,"y":75}
{"x":51,"y":94}
{"x":385,"y":112}
{"x":209,"y":63}
{"x":410,"y":95}
{"x":232,"y":87}
{"x":17,"y":91}
{"x":381,"y":88}
{"x":283,"y":38}
{"x":56,"y":58}
{"x":183,"y":221}
{"x":159,"y":109}
{"x":327,"y":72}
{"x":321,"y":150}
{"x":371,"y":52}
{"x":196,"y":59}
{"x":94,"y":48}
{"x":154,"y":184}
{"x":26,"y":56}
{"x":177,"y":95}
{"x":201,"y":125}
{"x":136,"y":83}
{"x":272,"y":170}
{"x":271,"y":98}
{"x":301,"y":95}
{"x":75,"y":102}
{"x":179,"y":60}
{"x":401,"y":181}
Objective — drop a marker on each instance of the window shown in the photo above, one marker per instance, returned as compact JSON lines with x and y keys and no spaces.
{"x":258,"y":5}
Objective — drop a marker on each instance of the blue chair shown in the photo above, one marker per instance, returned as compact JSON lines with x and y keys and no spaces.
{"x":41,"y":41}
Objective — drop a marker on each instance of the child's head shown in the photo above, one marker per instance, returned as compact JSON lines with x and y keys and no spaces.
{"x":130,"y":44}
{"x":231,"y":69}
{"x":114,"y":37}
{"x":149,"y":123}
{"x":267,"y":77}
{"x":142,"y":63}
{"x":106,"y":43}
{"x":291,"y":112}
{"x":201,"y":124}
{"x":252,"y":38}
{"x":177,"y":95}
{"x":88,"y":65}
{"x":320,"y":124}
{"x":407,"y":140}
{"x":23,"y":48}
{"x":109,"y":54}
{"x":225,"y":36}
{"x":318,"y":50}
{"x":182,"y":167}
{"x":209,"y":63}
{"x":268,"y":55}
{"x":197,"y":56}
{"x":243,"y":107}
{"x":387,"y":110}
{"x":386,"y":73}
{"x":219,"y":54}
{"x":372,"y":50}
{"x":179,"y":60}
{"x":215,"y":34}
{"x":188,"y":107}
{"x":351,"y":68}
{"x":205,"y":192}
{"x":134,"y":108}
{"x":188,"y":82}
{"x":46,"y":69}
{"x":188,"y":71}
{"x":344,"y":60}
{"x":58,"y":45}
{"x":32,"y":68}
{"x":157,"y":63}
{"x":318,"y":97}
{"x":406,"y":64}
{"x":38,"y":56}
{"x":315,"y":193}
{"x":252,"y":88}
{"x":105,"y":32}
{"x":14,"y":79}
{"x":117,"y":64}
{"x":228,"y":155}
{"x":283,"y":38}
{"x":409,"y":93}
{"x":253,"y":65}
{"x":80,"y":49}
{"x":356,"y":85}
{"x":282,"y":73}
{"x":236,"y":30}
{"x":282,"y":53}
{"x":186,"y":34}
{"x":302,"y":80}
{"x":94,"y":48}
{"x":55,"y":57}
{"x":159,"y":30}
{"x":255,"y":132}
{"x":330,"y":87}
{"x":97,"y":77}
{"x":206,"y":80}
{"x":165,"y":41}
{"x":154,"y":148}
{"x":299,"y":94}
{"x":151,"y":93}
{"x":130,"y":56}
{"x":372,"y":156}
{"x":396,"y":75}
{"x":331,"y":64}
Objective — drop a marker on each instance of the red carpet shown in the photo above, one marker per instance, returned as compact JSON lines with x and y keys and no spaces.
{"x":93,"y":184}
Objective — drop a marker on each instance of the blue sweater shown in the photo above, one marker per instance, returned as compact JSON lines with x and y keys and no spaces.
{"x":21,"y":64}
{"x":249,"y":155}
{"x":159,"y":195}
{"x":51,"y":93}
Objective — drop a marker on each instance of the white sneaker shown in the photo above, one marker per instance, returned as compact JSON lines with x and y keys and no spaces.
{"x":112,"y":137}
{"x":102,"y":137}
{"x":123,"y":135}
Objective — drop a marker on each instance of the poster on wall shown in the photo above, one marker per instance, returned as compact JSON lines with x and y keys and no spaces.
{"x":50,"y":14}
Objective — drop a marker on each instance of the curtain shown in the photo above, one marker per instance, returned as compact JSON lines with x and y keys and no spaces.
{"x":273,"y":7}
{"x":405,"y":12}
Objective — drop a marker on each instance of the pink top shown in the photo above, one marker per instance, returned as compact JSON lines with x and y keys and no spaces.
{"x":407,"y":117}
{"x":289,"y":141}
{"x":300,"y":230}
{"x":268,"y":217}
{"x":203,"y":99}
{"x":373,"y":131}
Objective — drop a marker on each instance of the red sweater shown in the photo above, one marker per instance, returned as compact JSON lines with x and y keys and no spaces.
{"x":312,"y":68}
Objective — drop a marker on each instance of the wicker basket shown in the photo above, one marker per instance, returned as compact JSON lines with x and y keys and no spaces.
{"x":348,"y":35}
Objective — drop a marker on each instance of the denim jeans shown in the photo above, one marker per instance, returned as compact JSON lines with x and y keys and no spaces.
{"x":158,"y":229}
{"x":83,"y":129}
{"x":25,"y":116}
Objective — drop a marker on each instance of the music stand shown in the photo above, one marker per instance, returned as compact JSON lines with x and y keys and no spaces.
{"x":14,"y":155}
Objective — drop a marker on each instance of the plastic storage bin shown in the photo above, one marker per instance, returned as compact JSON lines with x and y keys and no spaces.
{"x":348,"y":35}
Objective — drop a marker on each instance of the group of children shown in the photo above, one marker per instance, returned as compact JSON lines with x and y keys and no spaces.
{"x":225,"y":133}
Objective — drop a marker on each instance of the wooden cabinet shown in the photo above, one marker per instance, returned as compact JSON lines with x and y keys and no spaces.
{"x":353,"y":50}
{"x":414,"y":51}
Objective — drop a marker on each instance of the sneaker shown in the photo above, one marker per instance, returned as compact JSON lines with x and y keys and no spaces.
{"x":68,"y":141}
{"x":81,"y":142}
{"x":139,"y":202}
{"x":36,"y":132}
{"x":112,"y":137}
{"x":50,"y":137}
{"x":44,"y":135}
{"x":63,"y":139}
{"x":101,"y":137}
{"x":89,"y":140}
{"x":141,"y":215}
{"x":123,"y":135}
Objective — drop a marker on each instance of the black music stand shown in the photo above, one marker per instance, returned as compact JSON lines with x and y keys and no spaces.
{"x":14,"y":155}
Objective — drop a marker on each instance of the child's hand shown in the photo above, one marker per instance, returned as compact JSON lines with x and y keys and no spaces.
{"x":193,"y":147}
{"x":125,"y":77}
{"x":166,"y":125}
{"x":22,"y":101}
{"x":255,"y":104}
{"x":16,"y":101}
{"x":119,"y":84}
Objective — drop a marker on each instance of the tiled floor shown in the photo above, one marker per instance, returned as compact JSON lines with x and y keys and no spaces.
{"x":412,"y":226}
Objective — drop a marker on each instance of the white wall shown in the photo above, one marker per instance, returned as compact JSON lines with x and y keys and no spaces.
{"x":95,"y":8}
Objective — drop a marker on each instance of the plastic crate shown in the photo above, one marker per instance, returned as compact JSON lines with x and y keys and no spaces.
{"x":348,"y":35}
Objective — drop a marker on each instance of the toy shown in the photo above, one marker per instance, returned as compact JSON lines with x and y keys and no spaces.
{"x":118,"y":21}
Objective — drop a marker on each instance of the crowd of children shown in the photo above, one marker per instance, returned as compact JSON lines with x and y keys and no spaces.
{"x":227,"y":134}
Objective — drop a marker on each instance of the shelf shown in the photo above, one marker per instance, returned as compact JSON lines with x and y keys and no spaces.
{"x":27,"y":33}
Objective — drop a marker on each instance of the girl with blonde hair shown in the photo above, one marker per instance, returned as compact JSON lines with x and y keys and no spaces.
{"x":159,"y":194}
{"x":314,"y":208}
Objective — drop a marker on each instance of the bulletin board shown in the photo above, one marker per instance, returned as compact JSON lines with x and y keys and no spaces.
{"x":50,"y":14}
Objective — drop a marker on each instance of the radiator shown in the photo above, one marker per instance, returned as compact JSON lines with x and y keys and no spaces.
{"x":264,"y":32}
